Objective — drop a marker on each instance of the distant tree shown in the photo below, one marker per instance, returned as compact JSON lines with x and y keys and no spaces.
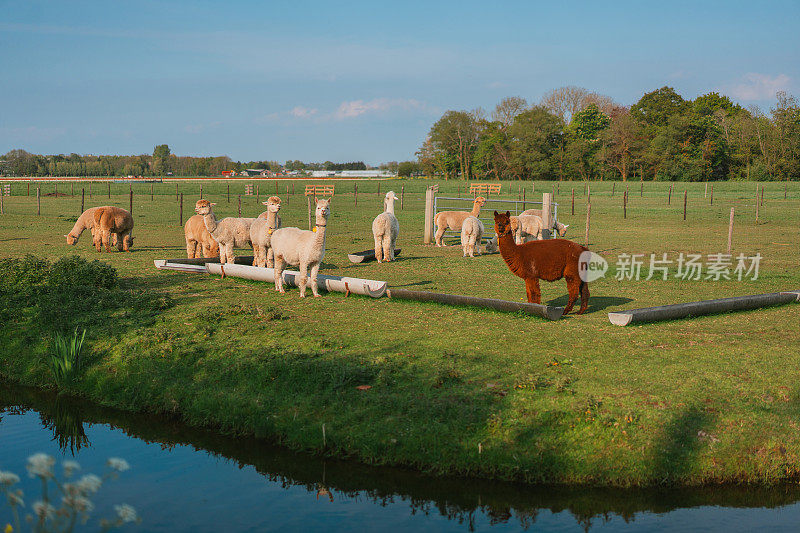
{"x":565,"y":102}
{"x":506,"y":111}
{"x":534,"y":140}
{"x":655,"y":108}
{"x":161,"y":155}
{"x":622,"y":141}
{"x":407,"y":168}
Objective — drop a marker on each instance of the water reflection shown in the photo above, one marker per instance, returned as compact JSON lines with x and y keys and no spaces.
{"x":468,"y":502}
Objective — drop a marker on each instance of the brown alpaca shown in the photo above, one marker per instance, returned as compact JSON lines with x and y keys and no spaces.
{"x":549,"y":260}
{"x":454,"y":219}
{"x":112,"y":221}
{"x":198,"y":239}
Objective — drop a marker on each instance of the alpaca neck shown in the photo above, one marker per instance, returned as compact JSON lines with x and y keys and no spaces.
{"x":78,"y":228}
{"x":476,"y":210}
{"x":322,"y":225}
{"x":272,"y":219}
{"x":390,"y":206}
{"x":210,"y":221}
{"x":510,"y":253}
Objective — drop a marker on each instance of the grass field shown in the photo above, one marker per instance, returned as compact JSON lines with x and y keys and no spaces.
{"x":711,"y":399}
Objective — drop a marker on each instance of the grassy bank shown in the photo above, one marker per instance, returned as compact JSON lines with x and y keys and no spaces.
{"x":712,"y":399}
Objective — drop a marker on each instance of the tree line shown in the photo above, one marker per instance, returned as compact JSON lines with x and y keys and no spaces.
{"x":575,"y":134}
{"x":161,"y":163}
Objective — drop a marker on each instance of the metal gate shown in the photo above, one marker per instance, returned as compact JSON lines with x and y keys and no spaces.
{"x":515,"y":207}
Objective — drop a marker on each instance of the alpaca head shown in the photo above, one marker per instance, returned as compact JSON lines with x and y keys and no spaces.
{"x":561,"y":229}
{"x":323,"y":209}
{"x":491,"y":246}
{"x":502,"y":223}
{"x":203,"y":207}
{"x":273,"y":204}
{"x":480,"y":200}
{"x":128,"y":240}
{"x":72,"y":240}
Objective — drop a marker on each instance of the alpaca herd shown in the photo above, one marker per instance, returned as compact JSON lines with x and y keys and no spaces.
{"x":276,"y":246}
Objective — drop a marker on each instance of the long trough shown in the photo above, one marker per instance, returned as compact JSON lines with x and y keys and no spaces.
{"x":365,"y":287}
{"x":701,"y":308}
{"x":544,"y":311}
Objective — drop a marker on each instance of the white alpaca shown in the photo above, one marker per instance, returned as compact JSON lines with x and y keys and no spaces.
{"x":385,"y":229}
{"x":261,"y":232}
{"x":491,"y":246}
{"x":294,"y":246}
{"x":471,"y":233}
{"x":229,"y":232}
{"x":559,"y":228}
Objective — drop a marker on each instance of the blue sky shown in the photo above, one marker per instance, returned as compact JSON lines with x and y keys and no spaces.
{"x":345,"y":81}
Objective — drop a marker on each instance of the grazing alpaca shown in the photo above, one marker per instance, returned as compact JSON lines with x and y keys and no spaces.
{"x":453,"y":219}
{"x":558,"y":227}
{"x":229,"y":232}
{"x":198,"y":239}
{"x":261,"y":232}
{"x":112,"y":221}
{"x":471,"y":234}
{"x":491,"y":246}
{"x":385,"y":229}
{"x":549,"y":260}
{"x":527,"y":226}
{"x":84,"y":222}
{"x":294,"y":246}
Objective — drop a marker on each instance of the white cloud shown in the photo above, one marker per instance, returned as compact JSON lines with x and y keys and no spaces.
{"x":355,"y":108}
{"x":760,"y":86}
{"x":303,"y":112}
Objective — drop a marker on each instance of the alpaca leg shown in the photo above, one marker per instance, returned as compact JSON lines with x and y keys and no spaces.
{"x":314,"y":287}
{"x":439,"y":234}
{"x":303,"y":279}
{"x":191,"y":246}
{"x":392,"y":243}
{"x":270,"y":257}
{"x":378,"y":248}
{"x":388,"y":251}
{"x":256,"y":249}
{"x":107,"y":241}
{"x":573,"y":287}
{"x":279,"y":274}
{"x":477,"y":246}
{"x":229,"y":252}
{"x":97,"y":240}
{"x":584,"y":297}
{"x":532,"y":288}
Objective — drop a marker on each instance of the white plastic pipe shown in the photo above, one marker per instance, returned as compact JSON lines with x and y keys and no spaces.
{"x":365,"y":287}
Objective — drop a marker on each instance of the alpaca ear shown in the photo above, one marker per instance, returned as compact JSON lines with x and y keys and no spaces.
{"x":508,"y":214}
{"x":212,"y":203}
{"x":496,"y":213}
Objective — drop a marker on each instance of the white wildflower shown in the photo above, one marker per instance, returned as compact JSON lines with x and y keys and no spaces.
{"x":115,"y":463}
{"x":44,"y":510}
{"x":80,"y":504}
{"x":89,"y":484}
{"x":41,"y":464}
{"x":8,"y":478}
{"x":126,"y":513}
{"x":15,"y":498}
{"x":70,"y":467}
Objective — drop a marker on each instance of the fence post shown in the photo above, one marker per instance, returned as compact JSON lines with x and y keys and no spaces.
{"x":258,"y":195}
{"x":355,"y":194}
{"x":641,"y":190}
{"x":588,"y":216}
{"x":240,"y":205}
{"x":83,"y":198}
{"x":90,"y":190}
{"x":588,"y":193}
{"x":176,"y":191}
{"x":730,"y":231}
{"x":229,"y":193}
{"x":712,"y":195}
{"x":201,"y":191}
{"x":427,"y":237}
{"x":547,"y":200}
{"x":756,"y":203}
{"x":38,"y":201}
{"x":573,"y":200}
{"x":180,"y":211}
{"x":762,"y":195}
{"x":131,"y":201}
{"x":523,"y":198}
{"x":29,"y":189}
{"x":2,"y":203}
{"x":669,"y":197}
{"x":705,"y":194}
{"x":276,"y":187}
{"x":379,"y":187}
{"x":72,"y":188}
{"x":625,"y":204}
{"x":402,"y":196}
{"x":151,"y":192}
{"x":310,"y":212}
{"x":685,"y":196}
{"x":613,"y":188}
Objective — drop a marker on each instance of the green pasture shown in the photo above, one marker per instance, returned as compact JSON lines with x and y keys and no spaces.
{"x":453,"y":390}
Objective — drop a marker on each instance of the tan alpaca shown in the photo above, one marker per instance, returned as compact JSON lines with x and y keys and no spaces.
{"x":84,"y":222}
{"x":198,"y":239}
{"x":113,"y":221}
{"x":261,"y":232}
{"x":453,"y":220}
